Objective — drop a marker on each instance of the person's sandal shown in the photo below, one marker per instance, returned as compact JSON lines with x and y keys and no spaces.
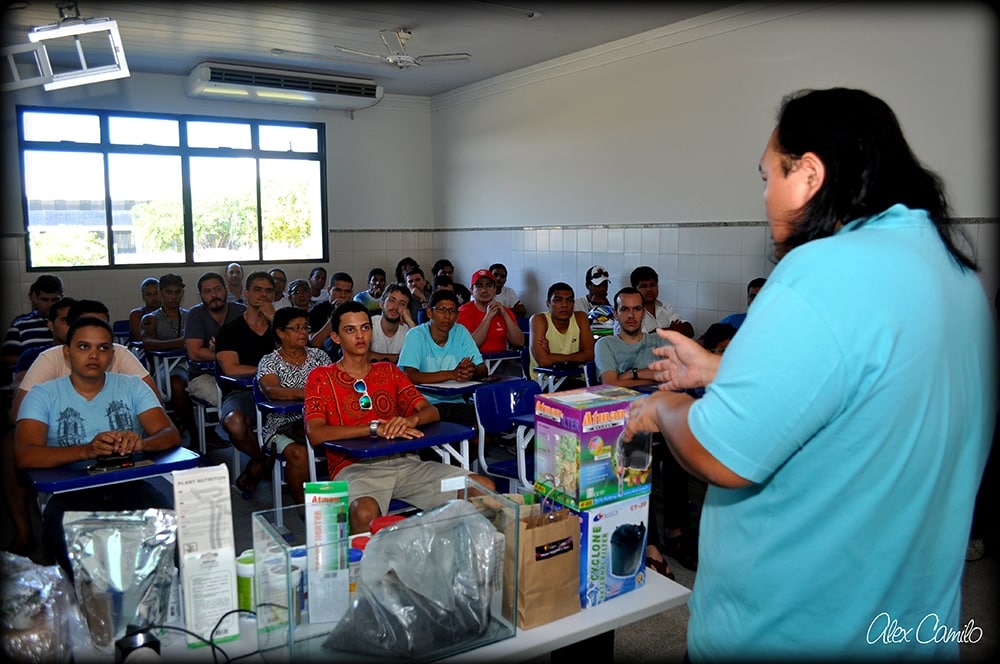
{"x":252,"y":474}
{"x":661,"y":567}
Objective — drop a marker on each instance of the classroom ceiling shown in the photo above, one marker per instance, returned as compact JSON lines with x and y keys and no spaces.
{"x":171,"y":37}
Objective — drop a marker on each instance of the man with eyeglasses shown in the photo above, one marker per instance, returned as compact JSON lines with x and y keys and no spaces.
{"x":355,"y":398}
{"x":441,"y":350}
{"x":493,"y":326}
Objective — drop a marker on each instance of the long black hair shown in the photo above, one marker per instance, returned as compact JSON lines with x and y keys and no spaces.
{"x":869,"y":165}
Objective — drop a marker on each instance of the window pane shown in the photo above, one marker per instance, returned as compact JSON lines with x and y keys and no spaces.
{"x":291,"y":209}
{"x":62,"y":127}
{"x":219,"y":135}
{"x":224,"y":208}
{"x":289,"y":139}
{"x":147,"y":208}
{"x":143,"y":131}
{"x":67,"y":224}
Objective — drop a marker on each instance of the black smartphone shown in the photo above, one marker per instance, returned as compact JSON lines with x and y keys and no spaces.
{"x":114,"y":460}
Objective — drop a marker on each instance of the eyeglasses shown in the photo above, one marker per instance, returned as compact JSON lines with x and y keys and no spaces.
{"x":298,"y":328}
{"x":361,"y":388}
{"x":446,"y":311}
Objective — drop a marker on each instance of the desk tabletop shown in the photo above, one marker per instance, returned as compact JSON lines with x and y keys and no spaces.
{"x":451,"y":388}
{"x":657,"y":595}
{"x":75,"y":476}
{"x":437,"y":433}
{"x":167,"y":352}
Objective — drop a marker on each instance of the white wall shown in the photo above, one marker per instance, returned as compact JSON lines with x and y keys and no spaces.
{"x":643,"y":151}
{"x":620,"y":155}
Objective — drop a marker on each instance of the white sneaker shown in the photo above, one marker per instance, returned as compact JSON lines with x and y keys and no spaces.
{"x":976,"y":550}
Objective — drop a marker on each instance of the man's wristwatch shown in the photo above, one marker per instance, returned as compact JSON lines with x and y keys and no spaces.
{"x":635,"y":374}
{"x":373,"y":428}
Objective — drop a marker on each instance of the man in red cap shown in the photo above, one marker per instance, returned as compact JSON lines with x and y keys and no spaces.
{"x":492,"y":325}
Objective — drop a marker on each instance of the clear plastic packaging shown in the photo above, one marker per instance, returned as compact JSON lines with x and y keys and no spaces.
{"x":41,"y":619}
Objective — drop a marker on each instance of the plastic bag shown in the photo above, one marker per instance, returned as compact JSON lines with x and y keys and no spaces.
{"x":426,"y":584}
{"x":41,"y":618}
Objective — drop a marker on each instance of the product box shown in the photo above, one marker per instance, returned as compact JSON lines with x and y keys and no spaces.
{"x":580,"y":459}
{"x":613,"y":549}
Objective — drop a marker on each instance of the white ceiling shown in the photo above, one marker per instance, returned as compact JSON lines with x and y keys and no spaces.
{"x":172,"y":37}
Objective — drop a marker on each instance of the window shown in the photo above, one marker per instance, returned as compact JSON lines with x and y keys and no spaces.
{"x":106,"y":188}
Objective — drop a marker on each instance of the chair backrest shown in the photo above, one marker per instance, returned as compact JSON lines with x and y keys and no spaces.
{"x":498,"y":402}
{"x":122,"y":331}
{"x":590,"y":369}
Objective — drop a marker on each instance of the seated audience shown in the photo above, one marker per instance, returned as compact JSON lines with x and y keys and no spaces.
{"x":31,"y":329}
{"x":560,"y":334}
{"x":151,"y":301}
{"x":300,"y":294}
{"x":341,"y":290}
{"x":493,"y":326}
{"x":240,"y":345}
{"x":234,"y":282}
{"x":281,"y":376}
{"x":623,"y":359}
{"x":317,"y":286}
{"x":163,"y":329}
{"x":439,"y":281}
{"x":402,"y":266}
{"x":441,"y":350}
{"x":444,"y":267}
{"x":752,"y":289}
{"x":200,"y":329}
{"x":597,"y":280}
{"x":504,"y":294}
{"x":280,"y":284}
{"x":372,"y":298}
{"x":657,"y":314}
{"x":420,"y":291}
{"x":355,"y":398}
{"x":58,"y":327}
{"x":717,"y":337}
{"x":390,"y":327}
{"x":110,"y":413}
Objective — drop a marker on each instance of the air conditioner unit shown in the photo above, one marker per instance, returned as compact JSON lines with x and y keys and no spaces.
{"x":276,"y":86}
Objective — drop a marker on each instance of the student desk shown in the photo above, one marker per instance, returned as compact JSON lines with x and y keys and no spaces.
{"x":455,"y":388}
{"x":442,"y":436}
{"x":73,"y":476}
{"x":163,"y":362}
{"x":494,"y":360}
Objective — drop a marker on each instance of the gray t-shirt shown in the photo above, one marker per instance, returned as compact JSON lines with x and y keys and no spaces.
{"x":201,"y":325}
{"x":613,"y":354}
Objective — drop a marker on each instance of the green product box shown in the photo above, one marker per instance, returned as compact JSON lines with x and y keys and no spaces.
{"x":578,"y":451}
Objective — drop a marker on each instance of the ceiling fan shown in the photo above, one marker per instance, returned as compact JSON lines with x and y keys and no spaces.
{"x":398,"y":57}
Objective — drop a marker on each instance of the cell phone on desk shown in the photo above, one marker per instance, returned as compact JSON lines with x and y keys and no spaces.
{"x":108,"y":462}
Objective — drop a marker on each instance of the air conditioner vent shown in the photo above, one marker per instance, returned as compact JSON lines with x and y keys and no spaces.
{"x":284,"y":81}
{"x":277,"y":86}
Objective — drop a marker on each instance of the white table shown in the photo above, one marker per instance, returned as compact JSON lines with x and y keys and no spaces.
{"x":657,"y":595}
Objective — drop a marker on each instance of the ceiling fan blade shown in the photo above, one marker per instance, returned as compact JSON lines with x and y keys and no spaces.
{"x":365,"y":54}
{"x":442,"y":57}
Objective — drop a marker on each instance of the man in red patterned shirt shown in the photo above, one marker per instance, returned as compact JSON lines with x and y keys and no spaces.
{"x":355,"y":398}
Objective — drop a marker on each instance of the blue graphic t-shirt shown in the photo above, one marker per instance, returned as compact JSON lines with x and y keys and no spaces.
{"x":73,"y":420}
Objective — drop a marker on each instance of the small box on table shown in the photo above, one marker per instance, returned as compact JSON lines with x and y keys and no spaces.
{"x":613,"y":549}
{"x":579,"y":458}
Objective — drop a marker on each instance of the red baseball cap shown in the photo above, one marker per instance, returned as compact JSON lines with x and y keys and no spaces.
{"x":479,"y":274}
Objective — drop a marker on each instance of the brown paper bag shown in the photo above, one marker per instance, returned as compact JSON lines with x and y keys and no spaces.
{"x":548,"y":580}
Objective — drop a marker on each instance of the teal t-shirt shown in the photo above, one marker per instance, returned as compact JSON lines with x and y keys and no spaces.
{"x":422,"y":353}
{"x":860,"y":400}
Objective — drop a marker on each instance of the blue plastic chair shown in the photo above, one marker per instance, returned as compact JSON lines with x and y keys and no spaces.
{"x":496,"y":405}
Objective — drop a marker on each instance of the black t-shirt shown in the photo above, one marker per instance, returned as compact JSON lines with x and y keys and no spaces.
{"x":250,"y":347}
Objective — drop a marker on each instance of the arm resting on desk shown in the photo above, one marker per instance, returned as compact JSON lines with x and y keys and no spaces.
{"x":30,"y":450}
{"x":318,"y":431}
{"x":273,"y":390}
{"x":229,"y":364}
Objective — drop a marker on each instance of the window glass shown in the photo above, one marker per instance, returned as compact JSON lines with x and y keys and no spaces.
{"x":147,"y":208}
{"x":147,"y":193}
{"x":218,"y":135}
{"x":143,"y":131}
{"x":67,"y":222}
{"x":288,"y":139}
{"x":62,"y":127}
